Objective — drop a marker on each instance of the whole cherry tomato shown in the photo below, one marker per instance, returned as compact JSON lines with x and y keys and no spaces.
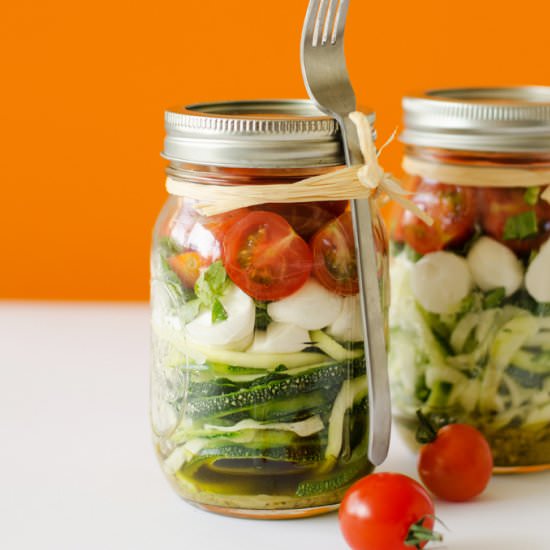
{"x":387,"y":511}
{"x":499,"y":205}
{"x":265,"y":257}
{"x":453,"y":210}
{"x":457,"y":465}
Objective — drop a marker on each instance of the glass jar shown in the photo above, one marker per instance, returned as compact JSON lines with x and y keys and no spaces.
{"x":470,"y":314}
{"x":259,"y":394}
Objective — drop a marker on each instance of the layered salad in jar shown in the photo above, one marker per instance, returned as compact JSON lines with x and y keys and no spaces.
{"x":259,"y":391}
{"x":470,"y":316}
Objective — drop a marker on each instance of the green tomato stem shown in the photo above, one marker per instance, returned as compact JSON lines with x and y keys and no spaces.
{"x":419,"y":534}
{"x":426,"y":432}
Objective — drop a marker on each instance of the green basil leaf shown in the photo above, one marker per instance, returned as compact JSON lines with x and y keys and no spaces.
{"x":218,"y":312}
{"x":531,"y":195}
{"x":216,"y":277}
{"x":521,"y":226}
{"x":211,"y":284}
{"x":203,"y":291}
{"x":467,"y":303}
{"x":494,"y":298}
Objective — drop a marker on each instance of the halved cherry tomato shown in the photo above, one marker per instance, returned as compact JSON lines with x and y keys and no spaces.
{"x":334,"y":262}
{"x":307,"y":217}
{"x":457,"y":465}
{"x":264,"y":256}
{"x":453,"y":210}
{"x":187,"y":267}
{"x":387,"y":511}
{"x":497,"y":205}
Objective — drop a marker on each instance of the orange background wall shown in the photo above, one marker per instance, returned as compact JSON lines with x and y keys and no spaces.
{"x":84,"y":85}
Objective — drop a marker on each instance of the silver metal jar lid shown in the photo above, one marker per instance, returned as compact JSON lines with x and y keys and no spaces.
{"x":253,"y":134}
{"x":513,"y":119}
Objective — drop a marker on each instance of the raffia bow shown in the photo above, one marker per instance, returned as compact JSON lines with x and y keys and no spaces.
{"x":367,"y":181}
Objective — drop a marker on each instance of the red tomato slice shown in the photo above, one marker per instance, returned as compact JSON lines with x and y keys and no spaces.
{"x":453,"y":210}
{"x":187,"y":267}
{"x":264,"y":257}
{"x":334,"y":262}
{"x":307,"y":217}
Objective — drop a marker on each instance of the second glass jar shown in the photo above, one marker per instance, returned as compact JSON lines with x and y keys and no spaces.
{"x":470,"y":314}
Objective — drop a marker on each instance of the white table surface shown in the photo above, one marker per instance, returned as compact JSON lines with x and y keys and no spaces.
{"x":78,"y":471}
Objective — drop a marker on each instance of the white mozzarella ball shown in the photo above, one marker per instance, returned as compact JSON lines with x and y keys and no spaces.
{"x":280,"y":338}
{"x":235,"y":332}
{"x":311,"y":307}
{"x":537,"y":278}
{"x":440,"y":280}
{"x":348,"y":326}
{"x":494,"y":265}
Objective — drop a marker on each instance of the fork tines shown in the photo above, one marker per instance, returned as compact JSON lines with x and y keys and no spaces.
{"x":325,"y":21}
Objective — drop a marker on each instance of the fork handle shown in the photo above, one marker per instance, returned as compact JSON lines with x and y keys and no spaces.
{"x":371,"y":310}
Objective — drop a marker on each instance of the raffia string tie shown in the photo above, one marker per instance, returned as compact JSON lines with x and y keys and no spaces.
{"x":480,"y":176}
{"x":367,"y":181}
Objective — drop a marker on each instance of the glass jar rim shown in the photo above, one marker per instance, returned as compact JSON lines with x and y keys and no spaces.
{"x":272,"y":133}
{"x":491,"y":119}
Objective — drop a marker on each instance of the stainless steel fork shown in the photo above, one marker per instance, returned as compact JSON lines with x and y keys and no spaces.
{"x":328,"y":84}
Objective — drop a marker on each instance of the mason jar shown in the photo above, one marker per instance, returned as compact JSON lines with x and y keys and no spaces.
{"x":259,"y":402}
{"x":470,"y":314}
